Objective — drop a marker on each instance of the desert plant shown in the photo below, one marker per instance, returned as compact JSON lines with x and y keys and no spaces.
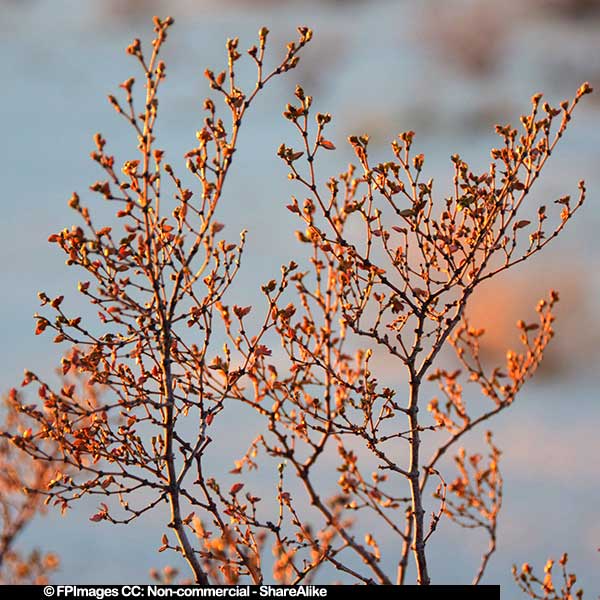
{"x":389,"y":268}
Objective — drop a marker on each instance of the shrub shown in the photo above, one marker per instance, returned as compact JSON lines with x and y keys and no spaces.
{"x":385,"y":267}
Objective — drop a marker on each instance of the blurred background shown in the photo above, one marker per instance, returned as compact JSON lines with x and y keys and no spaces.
{"x":449,"y":70}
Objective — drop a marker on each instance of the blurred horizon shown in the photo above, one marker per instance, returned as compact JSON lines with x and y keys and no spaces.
{"x":449,"y":71}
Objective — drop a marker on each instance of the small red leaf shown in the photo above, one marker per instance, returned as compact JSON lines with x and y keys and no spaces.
{"x":235,"y":488}
{"x":262,"y":351}
{"x":521,"y":224}
{"x":241,"y":312}
{"x":326,"y":144}
{"x":41,"y":327}
{"x":57,"y":301}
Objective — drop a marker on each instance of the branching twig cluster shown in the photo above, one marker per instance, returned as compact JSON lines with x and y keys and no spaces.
{"x":18,"y":508}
